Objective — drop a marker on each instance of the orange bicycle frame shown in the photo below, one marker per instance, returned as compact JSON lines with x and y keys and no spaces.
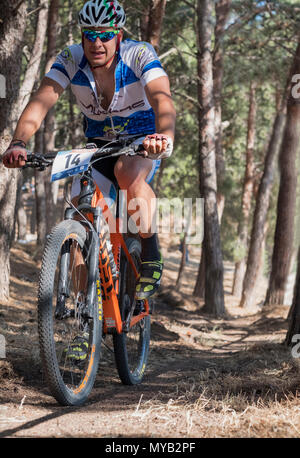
{"x":110,"y":288}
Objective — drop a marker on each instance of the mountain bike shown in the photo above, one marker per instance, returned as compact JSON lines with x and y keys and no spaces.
{"x":87,"y":284}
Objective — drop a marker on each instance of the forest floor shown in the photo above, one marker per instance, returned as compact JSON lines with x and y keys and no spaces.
{"x":206,"y":377}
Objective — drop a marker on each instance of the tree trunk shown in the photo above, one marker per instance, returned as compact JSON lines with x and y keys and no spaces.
{"x":294,"y":315}
{"x":183,"y":259}
{"x":151,"y":26}
{"x":214,"y":291}
{"x":284,"y":232}
{"x":222,"y":9}
{"x":49,"y":123}
{"x":199,"y":290}
{"x":70,"y":24}
{"x":41,"y":216}
{"x":144,"y":20}
{"x":31,"y":74}
{"x":21,"y":214}
{"x":184,"y":245}
{"x":12,"y":27}
{"x":240,"y":267}
{"x":262,"y":206}
{"x":154,"y":26}
{"x":32,"y":70}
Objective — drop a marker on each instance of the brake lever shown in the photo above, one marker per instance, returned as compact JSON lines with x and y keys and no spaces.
{"x":40,"y":158}
{"x":134,"y":150}
{"x":37,"y":161}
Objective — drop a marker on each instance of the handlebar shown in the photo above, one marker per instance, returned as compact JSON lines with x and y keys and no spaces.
{"x":41,"y":162}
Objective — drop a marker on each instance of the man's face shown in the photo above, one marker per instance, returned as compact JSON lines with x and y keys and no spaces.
{"x":98,"y":52}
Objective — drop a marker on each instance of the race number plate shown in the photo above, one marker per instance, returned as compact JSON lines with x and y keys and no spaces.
{"x":69,"y":163}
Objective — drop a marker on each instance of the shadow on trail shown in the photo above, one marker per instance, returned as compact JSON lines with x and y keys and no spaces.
{"x":260,"y":373}
{"x":31,"y":424}
{"x":247,"y":365}
{"x":195,"y":319}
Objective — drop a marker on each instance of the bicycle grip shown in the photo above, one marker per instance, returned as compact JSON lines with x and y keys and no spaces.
{"x":153,"y":156}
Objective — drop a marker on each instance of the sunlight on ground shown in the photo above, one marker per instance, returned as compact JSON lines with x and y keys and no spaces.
{"x":206,"y":377}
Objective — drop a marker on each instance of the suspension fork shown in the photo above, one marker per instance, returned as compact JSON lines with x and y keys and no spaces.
{"x":61,"y":311}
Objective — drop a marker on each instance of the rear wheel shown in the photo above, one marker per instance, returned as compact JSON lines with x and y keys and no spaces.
{"x":69,"y":333}
{"x":131,"y":348}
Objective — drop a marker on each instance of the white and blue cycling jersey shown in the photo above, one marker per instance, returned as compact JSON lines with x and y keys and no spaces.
{"x":129,"y":113}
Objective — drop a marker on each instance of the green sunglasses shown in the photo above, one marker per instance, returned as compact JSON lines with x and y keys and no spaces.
{"x":104,"y":36}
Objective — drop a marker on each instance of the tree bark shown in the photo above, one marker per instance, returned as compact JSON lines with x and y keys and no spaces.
{"x":240,"y":267}
{"x":49,"y":123}
{"x":286,"y":204}
{"x":12,"y":27}
{"x":294,"y":315}
{"x":262,"y":206}
{"x":222,"y":9}
{"x":184,"y":245}
{"x":214,"y":291}
{"x":21,"y":219}
{"x":32,"y":70}
{"x":31,"y":75}
{"x":183,"y":260}
{"x":151,"y":25}
{"x":155,"y":21}
{"x":70,"y":24}
{"x":144,"y":21}
{"x":199,"y":289}
{"x":41,"y":216}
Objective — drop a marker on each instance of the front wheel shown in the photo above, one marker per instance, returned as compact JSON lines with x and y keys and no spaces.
{"x":69,"y":334}
{"x":131,"y":348}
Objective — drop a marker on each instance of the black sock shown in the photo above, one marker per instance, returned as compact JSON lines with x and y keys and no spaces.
{"x":150,"y":248}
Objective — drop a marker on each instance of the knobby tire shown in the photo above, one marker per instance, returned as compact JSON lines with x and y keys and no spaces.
{"x":69,"y":382}
{"x":131,"y":349}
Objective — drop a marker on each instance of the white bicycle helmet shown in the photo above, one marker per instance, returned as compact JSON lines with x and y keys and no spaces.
{"x":102,"y":13}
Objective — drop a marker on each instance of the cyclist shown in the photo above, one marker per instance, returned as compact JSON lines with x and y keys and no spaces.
{"x":122,"y":91}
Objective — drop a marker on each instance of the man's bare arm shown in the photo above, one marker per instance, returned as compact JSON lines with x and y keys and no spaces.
{"x":37,"y":108}
{"x":159,"y":96}
{"x":30,"y":121}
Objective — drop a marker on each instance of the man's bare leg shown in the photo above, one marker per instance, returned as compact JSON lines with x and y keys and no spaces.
{"x":131,"y":173}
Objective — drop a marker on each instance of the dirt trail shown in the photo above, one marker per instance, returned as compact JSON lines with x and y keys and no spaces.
{"x":206,"y":377}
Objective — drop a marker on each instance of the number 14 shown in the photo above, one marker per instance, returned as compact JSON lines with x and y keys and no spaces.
{"x":75,"y":160}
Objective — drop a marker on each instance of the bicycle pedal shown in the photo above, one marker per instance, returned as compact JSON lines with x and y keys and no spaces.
{"x":139,"y":307}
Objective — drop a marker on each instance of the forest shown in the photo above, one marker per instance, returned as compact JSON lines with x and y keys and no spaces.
{"x":234,"y":70}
